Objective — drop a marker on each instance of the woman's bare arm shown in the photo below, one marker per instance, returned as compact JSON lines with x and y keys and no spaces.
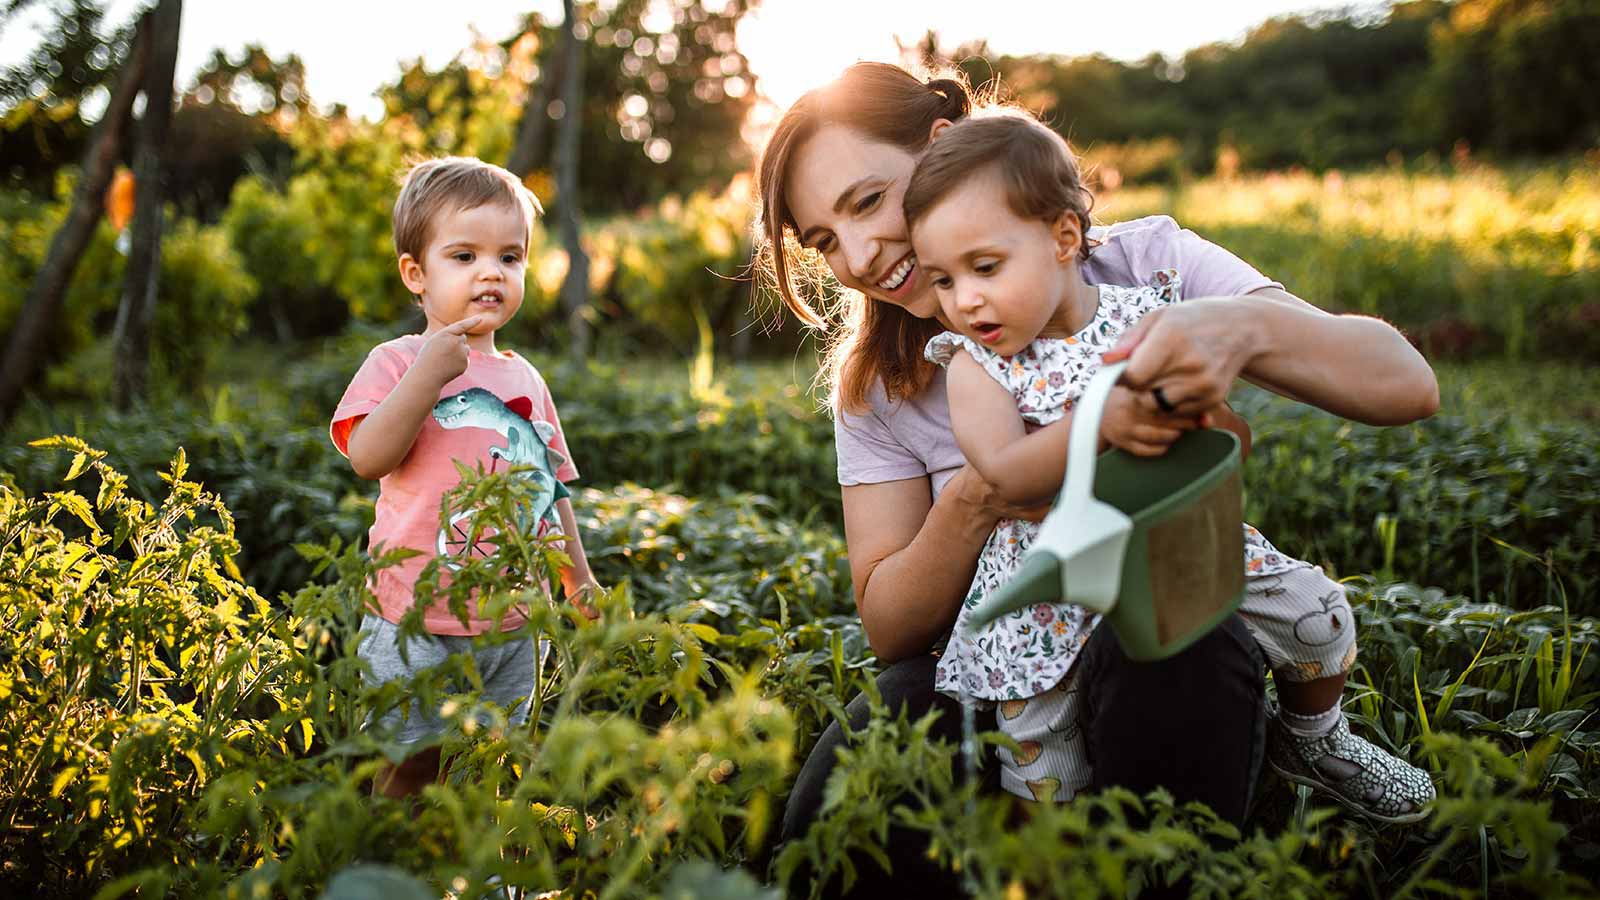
{"x":1353,"y":366}
{"x":912,"y":557}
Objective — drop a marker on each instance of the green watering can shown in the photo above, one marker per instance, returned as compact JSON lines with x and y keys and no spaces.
{"x":1155,"y":545}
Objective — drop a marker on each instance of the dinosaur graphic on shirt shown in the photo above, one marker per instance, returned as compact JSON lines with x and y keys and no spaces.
{"x":527,"y":445}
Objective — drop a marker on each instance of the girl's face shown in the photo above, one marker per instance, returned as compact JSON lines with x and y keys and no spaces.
{"x":1001,"y":280}
{"x":845,"y":192}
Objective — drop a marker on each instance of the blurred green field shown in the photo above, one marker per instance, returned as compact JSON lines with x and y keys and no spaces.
{"x":1480,"y":262}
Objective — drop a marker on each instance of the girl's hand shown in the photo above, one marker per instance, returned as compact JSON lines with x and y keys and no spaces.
{"x":1128,"y":424}
{"x":443,"y":356}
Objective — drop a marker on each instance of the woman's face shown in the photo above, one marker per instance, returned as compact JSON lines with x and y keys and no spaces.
{"x":845,"y":192}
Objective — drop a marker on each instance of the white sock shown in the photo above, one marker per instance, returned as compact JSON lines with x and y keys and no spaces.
{"x":1314,"y":725}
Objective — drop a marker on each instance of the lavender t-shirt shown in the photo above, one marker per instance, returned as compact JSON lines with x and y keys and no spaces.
{"x":912,"y":438}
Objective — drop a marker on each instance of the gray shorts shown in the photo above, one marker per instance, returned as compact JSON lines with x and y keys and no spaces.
{"x":508,"y":672}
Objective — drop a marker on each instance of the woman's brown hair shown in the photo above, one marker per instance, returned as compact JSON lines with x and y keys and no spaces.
{"x":872,"y":341}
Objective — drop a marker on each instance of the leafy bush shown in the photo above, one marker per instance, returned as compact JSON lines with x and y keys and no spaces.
{"x":1457,"y":501}
{"x":168,"y":730}
{"x":204,"y":296}
{"x":1491,"y":511}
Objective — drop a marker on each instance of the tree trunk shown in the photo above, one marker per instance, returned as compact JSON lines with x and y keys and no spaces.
{"x":575,"y":287}
{"x":25,"y":351}
{"x":531,"y":140}
{"x":131,"y":339}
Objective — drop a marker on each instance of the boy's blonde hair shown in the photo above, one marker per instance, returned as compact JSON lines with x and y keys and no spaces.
{"x":1041,"y":177}
{"x":449,"y":184}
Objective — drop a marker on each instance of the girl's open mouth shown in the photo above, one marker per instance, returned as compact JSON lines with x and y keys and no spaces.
{"x":988,"y":332}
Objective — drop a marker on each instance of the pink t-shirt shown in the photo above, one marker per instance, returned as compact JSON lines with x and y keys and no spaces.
{"x":912,"y":438}
{"x":496,"y":414}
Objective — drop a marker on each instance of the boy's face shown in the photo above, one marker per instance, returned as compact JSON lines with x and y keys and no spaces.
{"x":474,"y":264}
{"x":1001,"y":280}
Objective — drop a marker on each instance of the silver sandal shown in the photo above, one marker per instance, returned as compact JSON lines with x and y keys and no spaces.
{"x":1363,"y":777}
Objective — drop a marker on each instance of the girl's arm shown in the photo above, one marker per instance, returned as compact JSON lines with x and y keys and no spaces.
{"x":1353,"y":366}
{"x":1028,"y":467}
{"x":992,"y":435}
{"x":577,"y":578}
{"x":912,"y":557}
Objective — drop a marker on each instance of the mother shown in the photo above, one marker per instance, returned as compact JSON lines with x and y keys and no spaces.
{"x":832,"y":177}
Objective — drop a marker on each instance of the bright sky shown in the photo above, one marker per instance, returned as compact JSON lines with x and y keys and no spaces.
{"x":350,"y":47}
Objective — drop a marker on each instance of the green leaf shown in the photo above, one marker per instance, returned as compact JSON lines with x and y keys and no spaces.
{"x":372,"y":882}
{"x":60,"y":782}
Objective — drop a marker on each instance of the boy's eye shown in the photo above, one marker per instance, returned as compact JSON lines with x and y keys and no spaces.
{"x":824,"y":245}
{"x":869,"y":201}
{"x":941,"y":282}
{"x":462,"y":256}
{"x":510,"y":259}
{"x":985,"y":267}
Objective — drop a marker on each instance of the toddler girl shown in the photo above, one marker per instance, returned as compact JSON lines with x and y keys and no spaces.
{"x":998,"y":215}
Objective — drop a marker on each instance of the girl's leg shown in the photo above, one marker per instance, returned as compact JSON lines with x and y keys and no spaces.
{"x":1194,"y":723}
{"x":1050,"y":764}
{"x":1304,"y":623}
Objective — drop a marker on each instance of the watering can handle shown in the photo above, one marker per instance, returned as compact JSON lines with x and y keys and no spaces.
{"x":1084,"y":444}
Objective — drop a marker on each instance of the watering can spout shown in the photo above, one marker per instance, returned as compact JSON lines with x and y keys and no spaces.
{"x":1038,"y":580}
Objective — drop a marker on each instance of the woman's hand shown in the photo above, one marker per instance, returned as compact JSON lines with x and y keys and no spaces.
{"x":1192,"y":351}
{"x":1353,"y":366}
{"x":985,"y":500}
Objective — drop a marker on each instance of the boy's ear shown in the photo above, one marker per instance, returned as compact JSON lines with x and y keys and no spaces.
{"x":938,"y":126}
{"x":1068,"y":233}
{"x":411,"y":273}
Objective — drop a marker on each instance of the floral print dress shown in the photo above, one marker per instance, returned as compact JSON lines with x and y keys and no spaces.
{"x":1027,"y":652}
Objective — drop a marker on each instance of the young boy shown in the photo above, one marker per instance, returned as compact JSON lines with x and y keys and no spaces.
{"x":422,"y":403}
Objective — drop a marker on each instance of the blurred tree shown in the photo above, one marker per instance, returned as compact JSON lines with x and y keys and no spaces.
{"x":49,"y":101}
{"x":575,"y":287}
{"x":233,"y":121}
{"x":1516,"y":76}
{"x":666,"y":93}
{"x":1320,"y":89}
{"x":27,"y":350}
{"x":131,"y":339}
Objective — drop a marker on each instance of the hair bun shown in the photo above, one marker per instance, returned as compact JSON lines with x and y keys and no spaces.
{"x":957,"y":103}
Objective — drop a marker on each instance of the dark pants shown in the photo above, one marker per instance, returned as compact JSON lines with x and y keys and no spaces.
{"x":1194,"y":724}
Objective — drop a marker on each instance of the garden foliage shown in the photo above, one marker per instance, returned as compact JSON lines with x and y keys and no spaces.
{"x":167,"y":730}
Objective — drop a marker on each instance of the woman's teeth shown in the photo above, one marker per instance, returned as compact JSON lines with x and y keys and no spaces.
{"x":898,"y":276}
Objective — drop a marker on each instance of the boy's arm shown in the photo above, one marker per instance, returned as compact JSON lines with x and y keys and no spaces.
{"x":380,"y":440}
{"x":577,"y":579}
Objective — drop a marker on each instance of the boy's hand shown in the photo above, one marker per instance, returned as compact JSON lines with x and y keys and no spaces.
{"x":443,"y":356}
{"x":1127,"y":424}
{"x":580,"y":599}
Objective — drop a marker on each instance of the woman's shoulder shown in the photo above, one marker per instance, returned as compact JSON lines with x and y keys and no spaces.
{"x":1144,"y":228}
